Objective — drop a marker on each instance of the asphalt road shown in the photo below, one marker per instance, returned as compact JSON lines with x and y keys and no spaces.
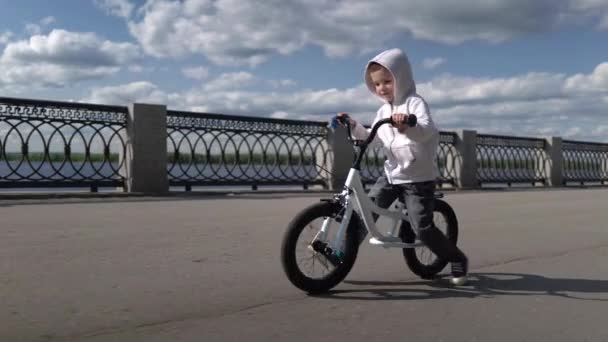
{"x":208,"y":269}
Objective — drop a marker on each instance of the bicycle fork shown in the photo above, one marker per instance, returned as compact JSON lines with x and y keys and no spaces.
{"x":333,"y":251}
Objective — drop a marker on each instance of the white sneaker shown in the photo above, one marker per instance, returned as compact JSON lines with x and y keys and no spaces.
{"x":459,"y":272}
{"x":459,"y":281}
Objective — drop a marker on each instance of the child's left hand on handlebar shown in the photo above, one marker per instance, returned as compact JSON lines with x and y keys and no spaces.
{"x":341,"y":118}
{"x":400,"y":121}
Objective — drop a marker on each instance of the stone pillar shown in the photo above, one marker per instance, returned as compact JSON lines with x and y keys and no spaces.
{"x":147,"y":149}
{"x":554,"y":161}
{"x":340,"y":157}
{"x":323,"y":160}
{"x":466,"y":161}
{"x":123,"y":170}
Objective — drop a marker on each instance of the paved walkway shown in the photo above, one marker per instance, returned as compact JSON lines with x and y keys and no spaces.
{"x":207,"y":269}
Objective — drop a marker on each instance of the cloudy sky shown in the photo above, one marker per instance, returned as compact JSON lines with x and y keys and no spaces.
{"x":516,"y":67}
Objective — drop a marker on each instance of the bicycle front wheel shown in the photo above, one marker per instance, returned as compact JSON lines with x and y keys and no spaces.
{"x":306,"y":264}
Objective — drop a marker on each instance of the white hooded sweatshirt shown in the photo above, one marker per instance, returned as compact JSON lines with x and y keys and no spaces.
{"x":411,"y":155}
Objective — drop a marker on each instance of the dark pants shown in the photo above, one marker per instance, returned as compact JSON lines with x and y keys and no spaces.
{"x":419,"y":200}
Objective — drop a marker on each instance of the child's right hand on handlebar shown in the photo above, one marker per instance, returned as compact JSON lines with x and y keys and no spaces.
{"x":344,"y":117}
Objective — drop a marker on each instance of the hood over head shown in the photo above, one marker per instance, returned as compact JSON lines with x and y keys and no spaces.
{"x":398,"y":64}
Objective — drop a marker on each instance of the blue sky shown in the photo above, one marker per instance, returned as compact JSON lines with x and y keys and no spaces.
{"x":517,"y":67}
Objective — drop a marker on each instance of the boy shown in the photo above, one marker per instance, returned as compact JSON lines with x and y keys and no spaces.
{"x":411,"y":167}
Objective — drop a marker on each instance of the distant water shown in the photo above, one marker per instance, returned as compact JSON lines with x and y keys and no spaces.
{"x":13,"y":171}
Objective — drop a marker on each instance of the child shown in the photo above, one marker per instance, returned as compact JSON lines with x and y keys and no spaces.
{"x":410,"y":169}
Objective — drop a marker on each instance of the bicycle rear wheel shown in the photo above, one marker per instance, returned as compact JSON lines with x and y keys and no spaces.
{"x":307,"y":263}
{"x":421,"y":261}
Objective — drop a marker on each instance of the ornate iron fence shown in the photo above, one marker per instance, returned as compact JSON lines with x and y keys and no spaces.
{"x":58,"y":144}
{"x":446,"y":158}
{"x":373,"y":163}
{"x":584,"y":161}
{"x":213,"y":149}
{"x":504,"y":159}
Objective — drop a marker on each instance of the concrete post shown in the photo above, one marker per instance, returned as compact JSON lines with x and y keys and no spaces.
{"x":323,"y":161}
{"x":466,"y":160}
{"x":147,"y":149}
{"x":554,"y":162}
{"x":122,"y":159}
{"x":340,"y":157}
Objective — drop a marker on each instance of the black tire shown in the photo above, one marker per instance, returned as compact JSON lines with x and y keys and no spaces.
{"x":290,"y":242}
{"x":428,"y":270}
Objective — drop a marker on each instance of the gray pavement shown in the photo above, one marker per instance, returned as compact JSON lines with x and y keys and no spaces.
{"x":208,"y":269}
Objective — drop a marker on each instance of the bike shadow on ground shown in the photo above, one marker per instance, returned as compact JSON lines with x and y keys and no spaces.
{"x":478,"y":285}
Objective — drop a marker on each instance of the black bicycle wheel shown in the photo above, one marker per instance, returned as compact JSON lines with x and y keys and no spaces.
{"x":298,"y":246}
{"x":421,"y":260}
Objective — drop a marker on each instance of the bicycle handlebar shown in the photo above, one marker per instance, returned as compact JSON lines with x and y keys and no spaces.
{"x":411,"y":121}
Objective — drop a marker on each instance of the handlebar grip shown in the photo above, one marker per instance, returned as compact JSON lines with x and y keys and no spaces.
{"x":411,"y":120}
{"x":338,"y":121}
{"x":343,"y":119}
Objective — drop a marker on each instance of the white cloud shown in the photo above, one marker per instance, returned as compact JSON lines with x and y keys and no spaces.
{"x":119,"y":8}
{"x":279,"y":115}
{"x":33,"y":29}
{"x":136,"y":68}
{"x":604,"y":23}
{"x":48,"y":21}
{"x":601,"y":130}
{"x":171,"y":28}
{"x":36,"y":28}
{"x":447,"y":90}
{"x":532,"y":104}
{"x":64,"y":47}
{"x":596,"y":82}
{"x":62,"y":58}
{"x":50,"y":75}
{"x":432,"y":63}
{"x":282,"y":83}
{"x":232,"y":32}
{"x":142,"y":92}
{"x":591,"y":8}
{"x":528,"y":105}
{"x":196,"y":73}
{"x":5,"y":37}
{"x":230,"y":81}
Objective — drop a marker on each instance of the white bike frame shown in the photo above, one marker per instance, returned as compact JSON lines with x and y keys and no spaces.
{"x":356,"y":198}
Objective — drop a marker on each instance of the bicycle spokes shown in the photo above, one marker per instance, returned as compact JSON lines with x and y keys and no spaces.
{"x":313,"y":254}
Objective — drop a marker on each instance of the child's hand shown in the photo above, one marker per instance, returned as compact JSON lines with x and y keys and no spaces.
{"x":400,"y":121}
{"x":345,"y":116}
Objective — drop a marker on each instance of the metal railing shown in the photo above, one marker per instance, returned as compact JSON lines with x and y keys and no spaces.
{"x":213,"y":149}
{"x":59,"y":144}
{"x":505,"y":159}
{"x":372,"y":165}
{"x":584,"y":161}
{"x":446,"y":158}
{"x":62,"y":144}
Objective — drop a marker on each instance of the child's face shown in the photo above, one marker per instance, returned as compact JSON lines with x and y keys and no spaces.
{"x":383,"y":83}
